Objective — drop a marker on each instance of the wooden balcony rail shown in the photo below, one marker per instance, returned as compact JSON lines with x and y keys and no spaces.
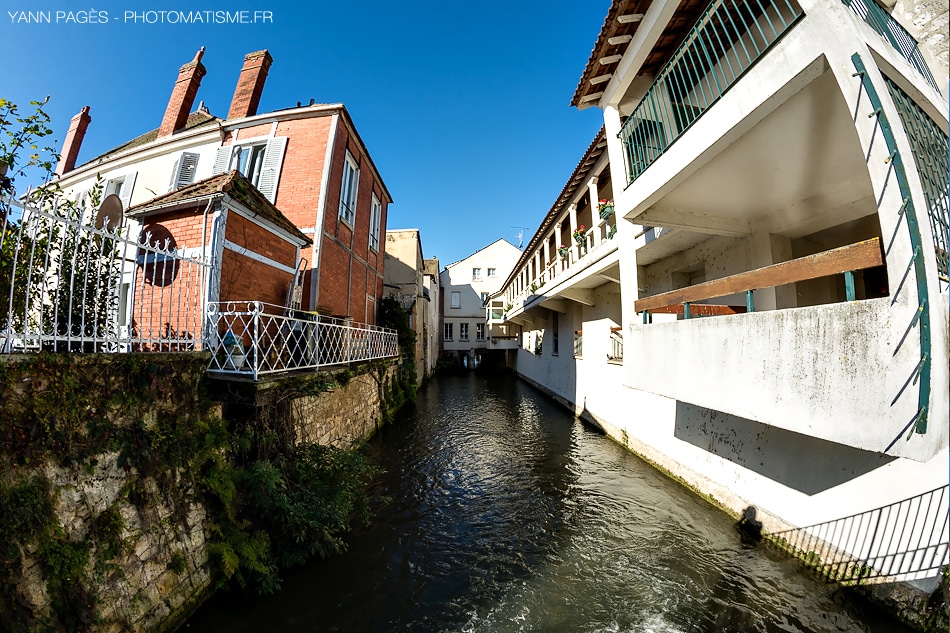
{"x":846,"y":259}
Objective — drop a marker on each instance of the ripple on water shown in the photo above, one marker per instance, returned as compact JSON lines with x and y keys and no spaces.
{"x":508,"y":515}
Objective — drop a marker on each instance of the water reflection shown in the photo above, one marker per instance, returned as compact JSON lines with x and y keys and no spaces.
{"x":508,"y":515}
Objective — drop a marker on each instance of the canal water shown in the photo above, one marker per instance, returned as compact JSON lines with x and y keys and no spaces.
{"x":506,"y":514}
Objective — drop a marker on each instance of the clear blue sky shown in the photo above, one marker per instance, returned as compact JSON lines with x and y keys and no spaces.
{"x":463,"y":106}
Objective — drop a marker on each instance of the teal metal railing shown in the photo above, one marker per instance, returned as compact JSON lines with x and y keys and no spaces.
{"x":728,"y":38}
{"x":930,"y":147}
{"x":896,"y":35}
{"x":908,"y":212}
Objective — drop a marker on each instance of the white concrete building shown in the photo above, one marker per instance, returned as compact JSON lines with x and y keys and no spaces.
{"x":466,"y":287}
{"x":783,"y":172}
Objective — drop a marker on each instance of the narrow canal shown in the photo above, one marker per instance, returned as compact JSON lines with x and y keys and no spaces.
{"x":508,"y":515}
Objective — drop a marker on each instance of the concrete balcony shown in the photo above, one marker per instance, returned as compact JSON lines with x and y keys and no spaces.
{"x":586,"y":265}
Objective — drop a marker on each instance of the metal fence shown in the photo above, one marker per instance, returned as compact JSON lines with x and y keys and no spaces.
{"x":728,"y":38}
{"x":907,"y":540}
{"x":67,"y":285}
{"x":930,"y":149}
{"x":252,"y":338}
{"x":893,"y":33}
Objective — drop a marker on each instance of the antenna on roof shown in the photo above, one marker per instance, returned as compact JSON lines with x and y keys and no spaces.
{"x":521,"y":230}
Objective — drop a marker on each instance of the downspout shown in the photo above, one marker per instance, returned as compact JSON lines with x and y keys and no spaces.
{"x":321,"y":215}
{"x":204,"y":270}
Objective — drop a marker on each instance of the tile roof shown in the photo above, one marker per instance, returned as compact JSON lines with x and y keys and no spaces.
{"x":231,"y":183}
{"x":199,"y":118}
{"x":673,"y":33}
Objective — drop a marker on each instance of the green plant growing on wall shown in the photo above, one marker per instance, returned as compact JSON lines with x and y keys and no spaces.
{"x":392,"y":315}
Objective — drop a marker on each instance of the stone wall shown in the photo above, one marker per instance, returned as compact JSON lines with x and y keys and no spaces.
{"x":928,"y":21}
{"x":125,"y":459}
{"x":337,"y":409}
{"x":122,"y":545}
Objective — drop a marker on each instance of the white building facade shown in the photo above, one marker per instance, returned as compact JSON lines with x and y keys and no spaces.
{"x":745,"y":278}
{"x":466,"y":288}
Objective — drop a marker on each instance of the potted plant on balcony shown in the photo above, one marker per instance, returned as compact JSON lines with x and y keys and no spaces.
{"x":579,"y":234}
{"x":563,"y":250}
{"x":234,"y":352}
{"x":606,"y":208}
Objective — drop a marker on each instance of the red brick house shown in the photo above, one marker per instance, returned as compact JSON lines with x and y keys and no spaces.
{"x":294,"y":184}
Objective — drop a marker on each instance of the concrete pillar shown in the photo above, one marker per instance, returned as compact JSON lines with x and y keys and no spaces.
{"x":766,"y":249}
{"x":595,"y":220}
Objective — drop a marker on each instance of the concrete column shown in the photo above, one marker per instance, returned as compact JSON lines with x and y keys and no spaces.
{"x":595,"y":220}
{"x":547,"y":251}
{"x":573,"y":217}
{"x":766,"y":249}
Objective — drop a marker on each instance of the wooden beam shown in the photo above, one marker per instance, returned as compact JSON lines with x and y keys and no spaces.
{"x":866,"y":254}
{"x":629,"y":18}
{"x":700,"y":309}
{"x":610,"y":59}
{"x":620,"y":39}
{"x":592,"y":97}
{"x":600,"y":79}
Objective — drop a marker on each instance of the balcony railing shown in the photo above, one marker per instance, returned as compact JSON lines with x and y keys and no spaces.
{"x":929,"y":144}
{"x":847,"y":259}
{"x":728,"y":39}
{"x":892,"y":32}
{"x":596,"y":242}
{"x":252,"y":338}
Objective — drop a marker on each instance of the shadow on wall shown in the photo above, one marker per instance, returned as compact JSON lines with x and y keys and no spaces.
{"x":801,"y":462}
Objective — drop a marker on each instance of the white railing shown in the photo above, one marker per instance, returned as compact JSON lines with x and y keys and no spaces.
{"x":251,"y":338}
{"x":597,"y":242}
{"x":69,"y":286}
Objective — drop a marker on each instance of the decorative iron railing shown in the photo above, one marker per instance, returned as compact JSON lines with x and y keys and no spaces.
{"x":252,"y":339}
{"x":907,"y":540}
{"x":67,"y":286}
{"x":727,"y":39}
{"x":893,"y":33}
{"x":930,"y":147}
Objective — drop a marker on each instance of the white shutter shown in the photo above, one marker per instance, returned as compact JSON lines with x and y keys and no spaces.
{"x":174,"y":179}
{"x":186,"y":170}
{"x":270,"y":171}
{"x":125,"y":193}
{"x":221,"y":160}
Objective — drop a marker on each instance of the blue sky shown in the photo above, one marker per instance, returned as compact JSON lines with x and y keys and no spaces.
{"x":463,"y":106}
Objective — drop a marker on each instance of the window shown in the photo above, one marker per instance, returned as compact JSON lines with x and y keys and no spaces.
{"x":259,"y":162}
{"x":484,"y":299}
{"x":456,"y":299}
{"x":122,"y":187}
{"x":447,"y":331}
{"x":491,"y":272}
{"x":183,"y":172}
{"x":479,"y":331}
{"x":579,"y":343}
{"x":463,"y":331}
{"x":376,"y":213}
{"x":554,"y":338}
{"x":249,"y":160}
{"x":476,"y":274}
{"x":351,"y":179}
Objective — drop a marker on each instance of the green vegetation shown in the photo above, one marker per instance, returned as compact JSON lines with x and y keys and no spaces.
{"x":271,"y":502}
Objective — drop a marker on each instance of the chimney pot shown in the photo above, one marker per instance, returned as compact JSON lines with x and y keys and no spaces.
{"x":183,"y":95}
{"x":77,"y":130}
{"x":250,"y":86}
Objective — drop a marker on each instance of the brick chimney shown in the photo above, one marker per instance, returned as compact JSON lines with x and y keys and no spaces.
{"x":250,"y":86}
{"x":183,"y":95}
{"x":77,"y":130}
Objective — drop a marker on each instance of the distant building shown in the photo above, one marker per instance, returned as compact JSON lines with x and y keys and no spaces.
{"x":406,"y":280}
{"x":466,"y":287}
{"x":432,"y":330}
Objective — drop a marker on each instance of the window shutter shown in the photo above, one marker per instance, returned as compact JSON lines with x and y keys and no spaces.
{"x":125,"y":193}
{"x":174,"y":179}
{"x":270,"y":170}
{"x":221,"y":159}
{"x":186,"y":170}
